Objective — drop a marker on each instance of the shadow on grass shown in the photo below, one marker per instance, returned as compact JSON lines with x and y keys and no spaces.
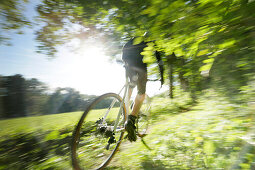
{"x":149,"y":164}
{"x":113,"y":167}
{"x":171,"y":109}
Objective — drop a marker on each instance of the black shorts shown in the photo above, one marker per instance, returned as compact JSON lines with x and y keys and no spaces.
{"x":137,"y":74}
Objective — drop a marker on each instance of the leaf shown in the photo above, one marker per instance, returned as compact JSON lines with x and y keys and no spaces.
{"x":227,"y":44}
{"x":206,"y":67}
{"x":198,"y":139}
{"x":210,"y":60}
{"x":222,"y":29}
{"x":120,"y":28}
{"x":78,"y":10}
{"x":202,"y":52}
{"x":138,"y":40}
{"x":209,"y":147}
{"x":148,"y":57}
{"x":151,"y":11}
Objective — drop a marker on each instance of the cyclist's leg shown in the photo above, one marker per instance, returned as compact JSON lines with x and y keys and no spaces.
{"x":138,"y":79}
{"x":132,"y":77}
{"x":130,"y":124}
{"x":130,"y":91}
{"x":137,"y":105}
{"x":141,"y":88}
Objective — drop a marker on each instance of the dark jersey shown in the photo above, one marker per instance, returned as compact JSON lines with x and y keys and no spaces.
{"x":132,"y":55}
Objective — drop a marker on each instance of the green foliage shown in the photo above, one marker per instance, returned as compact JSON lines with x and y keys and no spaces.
{"x":65,"y":100}
{"x":29,"y":151}
{"x":28,"y":97}
{"x":12,"y":19}
{"x":14,"y":96}
{"x":36,"y":96}
{"x":210,"y":136}
{"x":162,"y":106}
{"x":248,"y":92}
{"x":213,"y":39}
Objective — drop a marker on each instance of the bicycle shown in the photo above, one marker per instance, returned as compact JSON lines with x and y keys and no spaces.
{"x":101,"y":129}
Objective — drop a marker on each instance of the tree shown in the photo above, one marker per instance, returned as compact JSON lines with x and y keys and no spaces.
{"x":12,"y":19}
{"x":14,"y":100}
{"x":36,"y":96}
{"x":66,"y":100}
{"x":204,"y":35}
{"x":170,"y":64}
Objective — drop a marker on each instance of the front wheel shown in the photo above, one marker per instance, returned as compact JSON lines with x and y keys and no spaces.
{"x":98,"y":133}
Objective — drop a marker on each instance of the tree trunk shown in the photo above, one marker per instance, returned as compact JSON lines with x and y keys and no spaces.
{"x":171,"y":86}
{"x":184,"y":83}
{"x":170,"y":62}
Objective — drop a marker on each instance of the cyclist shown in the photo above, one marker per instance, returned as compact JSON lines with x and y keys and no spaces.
{"x":137,"y":73}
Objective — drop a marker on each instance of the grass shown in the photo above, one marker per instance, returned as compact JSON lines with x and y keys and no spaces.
{"x":42,"y":141}
{"x":38,"y":123}
{"x":214,"y":134}
{"x":44,"y":123}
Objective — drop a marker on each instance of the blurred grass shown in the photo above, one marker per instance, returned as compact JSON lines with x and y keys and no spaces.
{"x":213,"y":134}
{"x":38,"y":123}
{"x":43,"y":123}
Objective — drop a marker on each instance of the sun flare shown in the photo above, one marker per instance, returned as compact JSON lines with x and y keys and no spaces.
{"x":90,"y":72}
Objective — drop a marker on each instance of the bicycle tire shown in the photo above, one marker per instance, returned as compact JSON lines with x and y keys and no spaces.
{"x":79,"y":133}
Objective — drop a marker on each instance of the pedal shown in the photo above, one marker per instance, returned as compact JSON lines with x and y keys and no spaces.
{"x":102,"y":130}
{"x":110,"y":141}
{"x":107,"y":146}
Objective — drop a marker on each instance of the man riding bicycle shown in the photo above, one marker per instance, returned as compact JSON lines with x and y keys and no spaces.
{"x":137,"y":73}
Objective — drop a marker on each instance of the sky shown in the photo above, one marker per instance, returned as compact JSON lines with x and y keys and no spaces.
{"x":88,"y":71}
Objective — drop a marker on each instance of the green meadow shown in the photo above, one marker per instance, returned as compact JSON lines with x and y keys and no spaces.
{"x":38,"y":123}
{"x":211,"y":134}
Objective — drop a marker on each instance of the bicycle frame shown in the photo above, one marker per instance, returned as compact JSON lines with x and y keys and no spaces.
{"x":102,"y":125}
{"x":125,"y":101}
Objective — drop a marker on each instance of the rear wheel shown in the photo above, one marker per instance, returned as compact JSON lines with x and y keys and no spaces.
{"x":97,"y":136}
{"x":143,"y":120}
